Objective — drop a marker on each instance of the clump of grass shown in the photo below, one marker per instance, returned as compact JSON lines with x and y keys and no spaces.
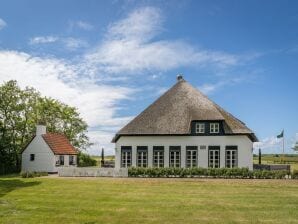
{"x":28,"y":174}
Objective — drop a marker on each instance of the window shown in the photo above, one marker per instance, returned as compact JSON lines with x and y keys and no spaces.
{"x":71,"y":160}
{"x":125,"y":156}
{"x":214,"y":127}
{"x":200,"y":128}
{"x":175,"y":156}
{"x":32,"y":157}
{"x":231,"y":156}
{"x":191,"y":156}
{"x":214,"y":157}
{"x":61,"y":159}
{"x":158,"y":156}
{"x":142,"y":156}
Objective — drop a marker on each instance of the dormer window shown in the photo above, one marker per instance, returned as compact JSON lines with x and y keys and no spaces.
{"x":214,"y":128}
{"x":200,"y":128}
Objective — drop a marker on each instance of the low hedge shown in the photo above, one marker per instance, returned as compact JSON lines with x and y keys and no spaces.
{"x":33,"y":174}
{"x":295,"y":174}
{"x":199,"y":172}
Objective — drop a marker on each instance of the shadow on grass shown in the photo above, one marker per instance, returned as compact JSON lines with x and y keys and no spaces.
{"x":9,"y":185}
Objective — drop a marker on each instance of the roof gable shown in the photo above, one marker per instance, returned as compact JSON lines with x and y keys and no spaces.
{"x":172,"y":113}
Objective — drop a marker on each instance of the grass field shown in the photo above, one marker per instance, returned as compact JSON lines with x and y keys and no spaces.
{"x":128,"y":200}
{"x":277,"y":159}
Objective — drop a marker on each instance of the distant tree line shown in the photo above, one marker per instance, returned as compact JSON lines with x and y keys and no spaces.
{"x":21,"y":110}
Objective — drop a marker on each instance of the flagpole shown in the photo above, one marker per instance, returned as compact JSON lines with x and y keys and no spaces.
{"x":283,"y":147}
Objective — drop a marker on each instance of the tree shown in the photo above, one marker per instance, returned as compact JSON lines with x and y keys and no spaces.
{"x":295,"y":148}
{"x":21,"y":110}
{"x":102,"y":162}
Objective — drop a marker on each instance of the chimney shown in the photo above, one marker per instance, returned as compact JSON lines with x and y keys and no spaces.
{"x":179,"y":77}
{"x":41,"y":129}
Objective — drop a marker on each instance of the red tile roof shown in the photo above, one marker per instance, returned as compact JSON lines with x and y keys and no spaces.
{"x":59,"y":144}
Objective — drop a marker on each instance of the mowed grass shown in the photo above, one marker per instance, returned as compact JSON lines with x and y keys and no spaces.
{"x":128,"y":200}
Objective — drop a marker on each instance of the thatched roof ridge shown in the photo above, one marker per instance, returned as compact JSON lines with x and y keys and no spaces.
{"x":172,"y":113}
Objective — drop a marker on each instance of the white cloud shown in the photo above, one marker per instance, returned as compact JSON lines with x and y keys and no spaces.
{"x":70,"y":43}
{"x":96,"y":102}
{"x":208,"y":88}
{"x":2,"y":24}
{"x":43,"y":39}
{"x":130,"y":46}
{"x":84,"y":25}
{"x":74,"y":43}
{"x":81,"y":25}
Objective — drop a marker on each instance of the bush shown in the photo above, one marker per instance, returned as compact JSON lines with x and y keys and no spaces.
{"x":210,"y":172}
{"x":86,"y":160}
{"x":295,"y":174}
{"x":28,"y":174}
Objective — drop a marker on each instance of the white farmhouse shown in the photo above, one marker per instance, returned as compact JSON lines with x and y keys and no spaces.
{"x":48,"y":151}
{"x":183,"y":128}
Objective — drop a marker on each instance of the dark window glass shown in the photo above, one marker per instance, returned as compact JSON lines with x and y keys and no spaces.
{"x":125,"y":156}
{"x":61,"y":159}
{"x":191,"y":156}
{"x":32,"y":157}
{"x":158,"y":156}
{"x":71,"y":160}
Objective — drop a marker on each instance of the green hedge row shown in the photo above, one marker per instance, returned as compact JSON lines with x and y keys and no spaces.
{"x":210,"y":172}
{"x":33,"y":174}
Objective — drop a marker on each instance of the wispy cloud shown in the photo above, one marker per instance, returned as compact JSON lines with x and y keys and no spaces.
{"x":131,"y":46}
{"x":43,"y":40}
{"x":2,"y":24}
{"x":80,"y":24}
{"x":74,"y":43}
{"x":69,"y":43}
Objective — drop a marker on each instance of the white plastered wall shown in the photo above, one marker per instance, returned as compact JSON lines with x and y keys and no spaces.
{"x":245,"y":145}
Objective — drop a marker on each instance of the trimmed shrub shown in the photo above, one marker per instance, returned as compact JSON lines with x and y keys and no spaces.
{"x":199,"y":172}
{"x":295,"y":174}
{"x":33,"y":174}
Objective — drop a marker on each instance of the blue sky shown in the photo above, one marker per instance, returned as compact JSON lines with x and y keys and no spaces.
{"x":111,"y":59}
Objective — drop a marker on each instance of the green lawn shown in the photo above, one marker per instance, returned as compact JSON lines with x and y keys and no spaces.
{"x":291,"y":159}
{"x":128,"y":200}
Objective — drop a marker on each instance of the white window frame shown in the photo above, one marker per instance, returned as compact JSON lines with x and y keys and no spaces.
{"x":214,"y":128}
{"x":142,"y":156}
{"x":200,"y":128}
{"x":231,"y":160}
{"x":191,"y":156}
{"x":158,"y":156}
{"x":176,"y":161}
{"x":126,"y":156}
{"x":212,"y":161}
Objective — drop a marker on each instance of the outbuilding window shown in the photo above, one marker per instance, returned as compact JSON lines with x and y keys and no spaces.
{"x":71,"y":160}
{"x":142,"y":156}
{"x":158,"y":156}
{"x":61,"y":160}
{"x":125,"y":156}
{"x":191,"y":156}
{"x":32,"y":157}
{"x":231,"y":156}
{"x":214,"y":156}
{"x":175,"y":156}
{"x":214,"y":128}
{"x":200,"y":128}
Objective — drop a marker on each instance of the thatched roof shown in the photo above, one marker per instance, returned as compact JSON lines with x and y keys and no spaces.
{"x":172,"y":113}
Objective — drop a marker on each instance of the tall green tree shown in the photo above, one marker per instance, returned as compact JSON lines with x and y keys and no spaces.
{"x":22,"y":109}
